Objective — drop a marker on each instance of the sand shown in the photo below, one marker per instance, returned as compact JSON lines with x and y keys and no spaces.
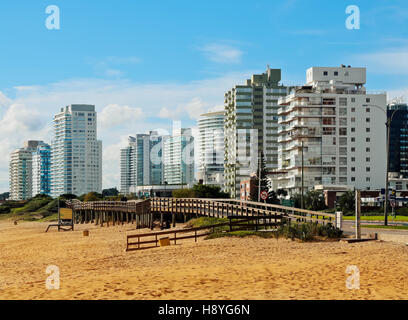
{"x":96,"y":267}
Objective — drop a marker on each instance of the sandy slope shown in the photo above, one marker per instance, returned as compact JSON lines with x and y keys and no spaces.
{"x":97,"y":267}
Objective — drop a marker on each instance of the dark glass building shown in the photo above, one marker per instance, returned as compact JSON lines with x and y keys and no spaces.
{"x":398,"y":139}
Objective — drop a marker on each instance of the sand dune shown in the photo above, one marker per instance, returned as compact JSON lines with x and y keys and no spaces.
{"x":96,"y":267}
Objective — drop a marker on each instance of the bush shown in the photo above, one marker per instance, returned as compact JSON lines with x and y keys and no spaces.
{"x":183,"y":193}
{"x":309,"y":231}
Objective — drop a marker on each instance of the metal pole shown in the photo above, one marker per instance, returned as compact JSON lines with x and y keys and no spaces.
{"x":358,"y":212}
{"x":259,"y":178}
{"x":302,"y":202}
{"x":388,"y":124}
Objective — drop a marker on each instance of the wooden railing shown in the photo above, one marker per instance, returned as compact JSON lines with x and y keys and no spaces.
{"x":144,"y":212}
{"x":226,"y":207}
{"x":235,"y":223}
{"x":114,"y":212}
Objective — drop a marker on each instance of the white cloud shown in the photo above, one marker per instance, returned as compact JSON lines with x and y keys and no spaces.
{"x":386,"y":62}
{"x":193,"y":108}
{"x":114,"y":115}
{"x":29,"y":114}
{"x":222,"y":53}
{"x":17,"y":125}
{"x":4,"y":101}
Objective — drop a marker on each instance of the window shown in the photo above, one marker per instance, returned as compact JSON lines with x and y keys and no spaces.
{"x":343,"y":121}
{"x":367,"y":109}
{"x":353,"y":119}
{"x":353,"y":159}
{"x":325,"y":73}
{"x":342,"y":141}
{"x":368,"y":179}
{"x":367,"y":119}
{"x":368,"y":139}
{"x":353,"y":109}
{"x":368,"y":100}
{"x":343,"y":161}
{"x":353,"y":178}
{"x":343,"y":102}
{"x":329,"y":131}
{"x":353,"y":99}
{"x":367,"y":169}
{"x":353,"y":129}
{"x":368,"y":159}
{"x":368,"y":150}
{"x":353,"y":139}
{"x":329,"y":121}
{"x":353,"y":169}
{"x":353,"y":150}
{"x":342,"y":151}
{"x":342,"y":111}
{"x":336,"y":73}
{"x":367,"y":129}
{"x":342,"y":131}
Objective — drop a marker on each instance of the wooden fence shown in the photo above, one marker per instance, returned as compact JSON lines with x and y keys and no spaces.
{"x":235,"y":223}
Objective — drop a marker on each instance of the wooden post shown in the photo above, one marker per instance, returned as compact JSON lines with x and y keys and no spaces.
{"x":358,"y":213}
{"x":173,"y":213}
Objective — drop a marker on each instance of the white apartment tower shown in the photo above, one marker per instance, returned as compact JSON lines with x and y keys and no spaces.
{"x":340,"y":127}
{"x":20,"y":171}
{"x":251,"y":127}
{"x":76,"y":153}
{"x":211,"y":148}
{"x":178,"y":157}
{"x":141,"y":162}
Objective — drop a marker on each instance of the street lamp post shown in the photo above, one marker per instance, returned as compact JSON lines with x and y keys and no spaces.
{"x":387,"y":147}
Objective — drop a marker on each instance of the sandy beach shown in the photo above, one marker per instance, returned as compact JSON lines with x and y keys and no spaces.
{"x":97,"y":267}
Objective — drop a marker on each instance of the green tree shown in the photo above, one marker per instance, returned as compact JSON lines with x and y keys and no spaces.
{"x":183,"y":193}
{"x":297,"y":198}
{"x":281,"y":193}
{"x":209,"y":191}
{"x":111,"y":192}
{"x":93,"y":196}
{"x":346,"y":201}
{"x":314,"y":200}
{"x":263,"y":177}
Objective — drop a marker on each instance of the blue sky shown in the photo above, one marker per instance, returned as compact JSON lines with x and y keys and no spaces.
{"x":146,"y":63}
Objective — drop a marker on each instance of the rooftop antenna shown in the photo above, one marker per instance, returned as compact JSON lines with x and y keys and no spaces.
{"x":268,"y":71}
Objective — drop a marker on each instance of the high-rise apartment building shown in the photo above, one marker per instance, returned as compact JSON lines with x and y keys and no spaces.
{"x":335,"y":122}
{"x":251,"y":127}
{"x":41,"y":169}
{"x":76,"y":153}
{"x":178,"y":157}
{"x":141,"y":162}
{"x":211,"y":148}
{"x":20,"y":170}
{"x":398,"y":150}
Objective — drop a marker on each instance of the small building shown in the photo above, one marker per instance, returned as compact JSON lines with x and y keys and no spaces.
{"x":165,"y":190}
{"x":332,"y":193}
{"x":246,"y":188}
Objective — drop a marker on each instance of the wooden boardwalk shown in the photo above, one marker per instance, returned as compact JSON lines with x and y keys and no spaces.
{"x":143,"y":213}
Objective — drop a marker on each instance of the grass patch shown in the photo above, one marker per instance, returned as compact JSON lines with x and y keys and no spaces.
{"x":205,"y":222}
{"x":384,"y":227}
{"x":241,"y":234}
{"x":303,"y":231}
{"x":371,"y":218}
